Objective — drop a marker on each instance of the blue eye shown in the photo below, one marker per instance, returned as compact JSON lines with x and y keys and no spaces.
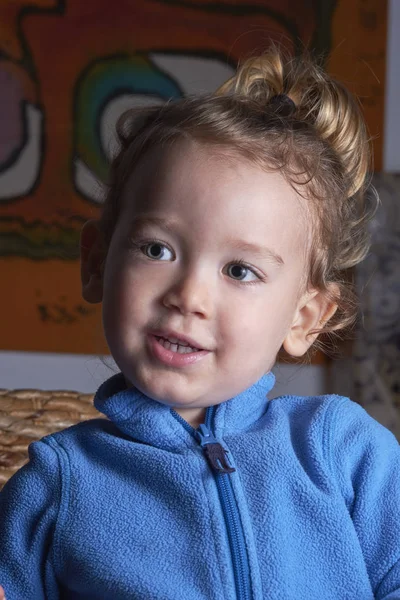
{"x":238,"y":270}
{"x":157,"y":252}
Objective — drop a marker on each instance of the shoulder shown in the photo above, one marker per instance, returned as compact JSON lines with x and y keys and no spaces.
{"x":89,"y":433}
{"x":307,"y":410}
{"x":49,"y":456}
{"x":337,"y":421}
{"x":333,"y":410}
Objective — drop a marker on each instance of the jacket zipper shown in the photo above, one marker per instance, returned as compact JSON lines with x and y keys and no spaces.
{"x":216,"y":457}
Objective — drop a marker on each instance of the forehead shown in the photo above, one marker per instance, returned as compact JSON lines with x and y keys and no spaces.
{"x":215,"y":189}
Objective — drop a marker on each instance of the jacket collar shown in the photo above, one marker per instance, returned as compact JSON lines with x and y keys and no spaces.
{"x":151,"y":422}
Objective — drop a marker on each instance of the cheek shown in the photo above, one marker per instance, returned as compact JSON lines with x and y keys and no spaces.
{"x":123,"y":294}
{"x":260,"y":323}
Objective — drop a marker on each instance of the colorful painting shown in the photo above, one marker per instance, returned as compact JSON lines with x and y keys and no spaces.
{"x":67,"y":70}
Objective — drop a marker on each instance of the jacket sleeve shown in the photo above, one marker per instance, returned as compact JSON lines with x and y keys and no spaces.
{"x":28,"y":513}
{"x":366,"y":459}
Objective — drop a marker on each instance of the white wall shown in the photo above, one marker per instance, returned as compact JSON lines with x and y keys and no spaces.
{"x":391,"y":149}
{"x":84,"y":373}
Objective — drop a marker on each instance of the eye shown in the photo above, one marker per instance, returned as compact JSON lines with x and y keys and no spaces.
{"x":155,"y":250}
{"x":238,"y":272}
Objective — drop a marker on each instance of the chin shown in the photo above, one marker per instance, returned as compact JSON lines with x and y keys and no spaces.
{"x":160,"y":390}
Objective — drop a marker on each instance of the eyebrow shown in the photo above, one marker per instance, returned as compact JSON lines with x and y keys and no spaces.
{"x":143,"y":221}
{"x":241,"y":246}
{"x":259,"y":251}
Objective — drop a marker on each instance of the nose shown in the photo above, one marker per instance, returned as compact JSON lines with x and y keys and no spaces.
{"x":190,"y":295}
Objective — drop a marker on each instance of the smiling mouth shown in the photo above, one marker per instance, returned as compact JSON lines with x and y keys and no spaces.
{"x":174,"y":355}
{"x":175,"y":346}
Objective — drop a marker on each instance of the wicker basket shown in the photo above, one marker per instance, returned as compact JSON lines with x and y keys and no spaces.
{"x":28,"y":415}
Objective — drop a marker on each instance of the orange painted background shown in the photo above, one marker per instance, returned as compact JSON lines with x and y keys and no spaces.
{"x":68,"y":68}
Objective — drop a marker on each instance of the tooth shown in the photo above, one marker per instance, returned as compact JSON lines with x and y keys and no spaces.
{"x":176,"y":341}
{"x":178,"y":348}
{"x":185,"y":349}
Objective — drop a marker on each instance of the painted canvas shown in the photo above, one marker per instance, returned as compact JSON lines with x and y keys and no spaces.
{"x":68,"y":69}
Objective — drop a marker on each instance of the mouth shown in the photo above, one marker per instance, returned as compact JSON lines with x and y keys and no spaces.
{"x":181,"y":342}
{"x":176,"y":346}
{"x":173,"y":354}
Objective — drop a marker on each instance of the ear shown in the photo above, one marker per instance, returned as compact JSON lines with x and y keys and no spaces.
{"x":313,"y":312}
{"x":92,"y":261}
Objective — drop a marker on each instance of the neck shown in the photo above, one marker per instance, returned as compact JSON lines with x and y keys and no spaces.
{"x":193,"y":416}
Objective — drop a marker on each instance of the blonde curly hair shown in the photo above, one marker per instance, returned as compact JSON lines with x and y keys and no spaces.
{"x":315,"y":135}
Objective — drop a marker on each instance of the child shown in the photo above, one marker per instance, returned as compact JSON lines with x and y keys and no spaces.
{"x":197,"y":486}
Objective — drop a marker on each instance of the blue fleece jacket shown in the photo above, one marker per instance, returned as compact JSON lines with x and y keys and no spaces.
{"x":285,"y":499}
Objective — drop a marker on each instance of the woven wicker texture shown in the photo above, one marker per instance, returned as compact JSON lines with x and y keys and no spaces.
{"x":28,"y":415}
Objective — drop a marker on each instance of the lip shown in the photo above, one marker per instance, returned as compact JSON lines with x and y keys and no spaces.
{"x":173,"y":359}
{"x":168,"y":333}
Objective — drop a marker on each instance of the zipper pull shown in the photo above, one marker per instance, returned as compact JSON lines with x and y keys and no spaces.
{"x":214,"y":451}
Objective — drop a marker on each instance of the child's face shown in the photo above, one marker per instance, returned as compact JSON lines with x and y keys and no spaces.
{"x":193,"y":286}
